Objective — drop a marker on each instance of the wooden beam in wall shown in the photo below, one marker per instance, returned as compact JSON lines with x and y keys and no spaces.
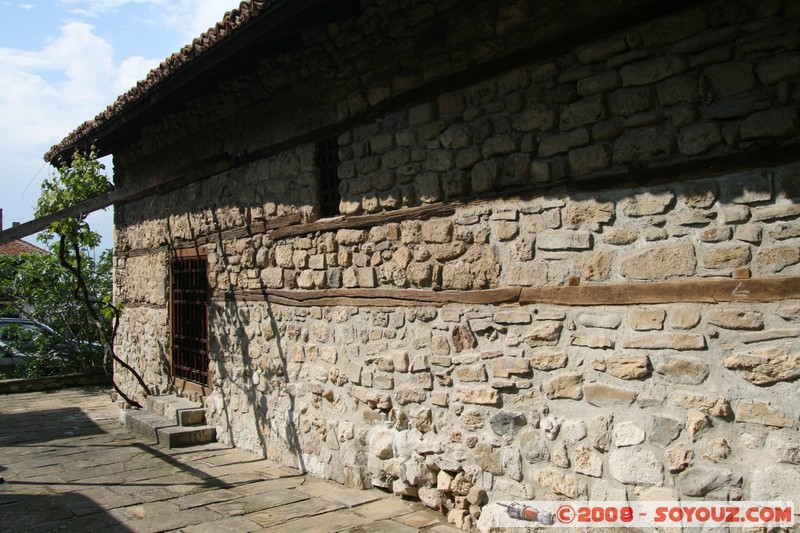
{"x":366,"y":221}
{"x":694,"y":291}
{"x":658,"y":292}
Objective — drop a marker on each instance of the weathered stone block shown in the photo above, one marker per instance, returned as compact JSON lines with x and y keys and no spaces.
{"x":589,"y":110}
{"x":775,"y":482}
{"x":630,"y":101}
{"x":774,"y":122}
{"x":623,"y":367}
{"x":761,"y":412}
{"x":380,"y":442}
{"x":775,"y":259}
{"x":375,"y":400}
{"x":567,"y":386}
{"x":679,"y":91}
{"x":730,"y":78}
{"x":272,"y":278}
{"x":731,"y":256}
{"x":512,"y":317}
{"x":587,"y":461}
{"x":564,"y":240}
{"x":712,"y":405}
{"x":546,"y":333}
{"x":462,"y":337}
{"x":635,"y":466}
{"x":766,"y":366}
{"x":663,"y":430}
{"x":535,"y":117}
{"x":647,"y":203}
{"x":677,"y":459}
{"x":702,"y":480}
{"x":619,"y":236}
{"x":647,"y":320}
{"x":696,"y":423}
{"x":486,"y":396}
{"x":651,"y":70}
{"x":588,"y":214}
{"x":499,"y":145}
{"x":698,"y":138}
{"x":507,"y":367}
{"x":666,"y":341}
{"x":407,"y":393}
{"x":660,"y":261}
{"x":747,"y":188}
{"x":627,"y":434}
{"x":592,"y":341}
{"x":504,"y":422}
{"x":590,"y":159}
{"x":599,"y":83}
{"x":484,"y":176}
{"x":736,"y":319}
{"x":544,"y":359}
{"x":559,"y":143}
{"x":606,"y":321}
{"x":644,"y":144}
{"x":776,"y":212}
{"x":785,"y":67}
{"x":602,"y":395}
{"x":471,"y":374}
{"x":563,"y":484}
{"x":422,"y":114}
{"x":683,"y":370}
{"x":600,"y":432}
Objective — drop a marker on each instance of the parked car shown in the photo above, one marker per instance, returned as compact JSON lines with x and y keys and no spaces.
{"x":22,"y":340}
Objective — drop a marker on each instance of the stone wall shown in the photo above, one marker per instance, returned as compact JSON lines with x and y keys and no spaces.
{"x":661,"y":401}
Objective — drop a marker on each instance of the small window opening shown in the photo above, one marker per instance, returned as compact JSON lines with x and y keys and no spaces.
{"x":328,"y":162}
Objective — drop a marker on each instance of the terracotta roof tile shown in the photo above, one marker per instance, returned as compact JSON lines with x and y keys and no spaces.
{"x":20,"y":247}
{"x":230,"y":23}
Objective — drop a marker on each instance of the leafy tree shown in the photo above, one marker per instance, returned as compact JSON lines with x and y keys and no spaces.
{"x":79,"y":180}
{"x":37,"y":286}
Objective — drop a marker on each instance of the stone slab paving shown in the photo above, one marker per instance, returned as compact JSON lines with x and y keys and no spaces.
{"x":69,"y":466}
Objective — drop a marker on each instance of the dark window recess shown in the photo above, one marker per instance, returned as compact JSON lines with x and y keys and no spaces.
{"x":190,"y":319}
{"x":328,"y":162}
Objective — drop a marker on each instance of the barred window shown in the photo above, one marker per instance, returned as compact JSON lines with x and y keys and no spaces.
{"x":328,"y":163}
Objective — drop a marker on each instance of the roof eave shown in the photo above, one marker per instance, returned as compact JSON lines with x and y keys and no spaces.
{"x":96,"y":131}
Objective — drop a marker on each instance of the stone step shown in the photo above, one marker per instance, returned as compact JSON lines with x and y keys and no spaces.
{"x":166,"y":433}
{"x":177,"y":436}
{"x":178,"y":410}
{"x":171,"y":422}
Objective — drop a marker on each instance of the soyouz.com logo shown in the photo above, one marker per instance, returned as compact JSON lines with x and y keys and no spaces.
{"x":643,"y":514}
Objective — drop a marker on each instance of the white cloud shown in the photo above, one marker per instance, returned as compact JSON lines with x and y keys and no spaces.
{"x":72,"y":76}
{"x":189,"y":18}
{"x":47,"y":92}
{"x":26,"y":7}
{"x":96,"y":8}
{"x":132,"y":70}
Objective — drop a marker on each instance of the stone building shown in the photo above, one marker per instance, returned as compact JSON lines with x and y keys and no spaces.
{"x":548,"y":249}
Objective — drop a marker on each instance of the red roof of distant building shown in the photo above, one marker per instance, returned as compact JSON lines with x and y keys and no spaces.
{"x":20,"y":247}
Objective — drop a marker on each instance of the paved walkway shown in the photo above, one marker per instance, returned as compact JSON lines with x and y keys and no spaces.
{"x":69,"y":466}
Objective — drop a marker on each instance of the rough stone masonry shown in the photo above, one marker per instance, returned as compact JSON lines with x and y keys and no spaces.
{"x":456,"y":402}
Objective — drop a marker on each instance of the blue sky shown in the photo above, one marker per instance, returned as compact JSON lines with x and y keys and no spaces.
{"x":64,"y":61}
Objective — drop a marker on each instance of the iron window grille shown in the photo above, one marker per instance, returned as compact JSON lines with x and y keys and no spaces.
{"x":328,"y":164}
{"x":190,"y":319}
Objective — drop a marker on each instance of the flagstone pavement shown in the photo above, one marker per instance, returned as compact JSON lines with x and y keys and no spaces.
{"x":69,"y":466}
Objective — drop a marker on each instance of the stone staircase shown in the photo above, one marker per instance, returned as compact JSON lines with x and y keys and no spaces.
{"x":171,"y":422}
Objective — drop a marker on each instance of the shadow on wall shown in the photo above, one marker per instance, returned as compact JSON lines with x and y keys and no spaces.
{"x":260,"y":376}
